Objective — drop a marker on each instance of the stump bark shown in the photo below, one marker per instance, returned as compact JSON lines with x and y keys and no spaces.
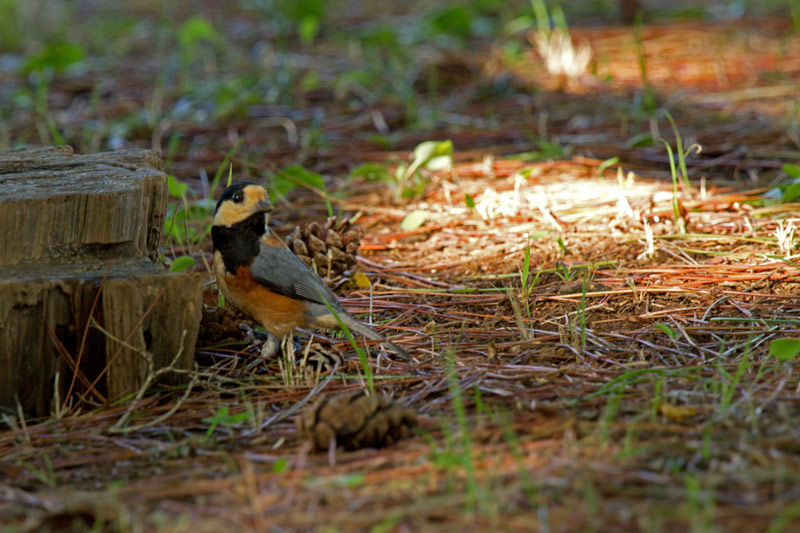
{"x":70,"y":221}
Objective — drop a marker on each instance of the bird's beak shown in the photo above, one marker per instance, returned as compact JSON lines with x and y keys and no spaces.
{"x":264,"y":206}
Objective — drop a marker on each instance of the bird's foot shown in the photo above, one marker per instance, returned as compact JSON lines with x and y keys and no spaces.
{"x":253,"y":336}
{"x":272,"y":346}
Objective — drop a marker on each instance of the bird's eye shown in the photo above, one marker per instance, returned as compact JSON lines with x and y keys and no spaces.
{"x":238,"y":197}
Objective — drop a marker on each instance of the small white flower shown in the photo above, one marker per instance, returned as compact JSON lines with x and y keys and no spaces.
{"x":649,"y":243}
{"x":785,"y":237}
{"x":560,"y":55}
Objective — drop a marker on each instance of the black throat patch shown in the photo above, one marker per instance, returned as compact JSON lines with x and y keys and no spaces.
{"x":239,"y":244}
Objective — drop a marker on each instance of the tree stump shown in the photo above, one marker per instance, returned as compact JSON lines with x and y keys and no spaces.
{"x":69,"y":221}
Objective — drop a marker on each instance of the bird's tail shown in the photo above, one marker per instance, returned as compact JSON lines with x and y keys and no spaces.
{"x":356,"y":326}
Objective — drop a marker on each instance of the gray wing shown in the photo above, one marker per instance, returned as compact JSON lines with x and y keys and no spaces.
{"x":281,"y":271}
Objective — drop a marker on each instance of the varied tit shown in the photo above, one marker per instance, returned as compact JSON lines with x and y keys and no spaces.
{"x":258,"y":274}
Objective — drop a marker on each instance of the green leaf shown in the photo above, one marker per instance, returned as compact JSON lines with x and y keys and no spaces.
{"x":452,"y":20}
{"x":469,"y":200}
{"x":607,"y":163}
{"x":371,"y":172}
{"x":302,"y":175}
{"x":524,"y":156}
{"x":293,"y":176}
{"x":519,"y":24}
{"x":443,"y":162}
{"x":388,"y":524}
{"x":551,"y":150}
{"x":642,"y":139}
{"x":350,"y":480}
{"x":434,"y":155}
{"x":308,"y":29}
{"x":181,"y":263}
{"x":791,"y":192}
{"x":792,"y":170}
{"x":223,"y":416}
{"x":561,"y":245}
{"x":280,"y":466}
{"x":310,"y":81}
{"x":784,"y":349}
{"x":414,"y":219}
{"x":195,"y":30}
{"x":667,"y":330}
{"x":216,"y":417}
{"x":236,"y":419}
{"x":279,"y":186}
{"x":547,"y":150}
{"x":176,"y":188}
{"x":56,"y":57}
{"x":300,"y":9}
{"x":399,"y":172}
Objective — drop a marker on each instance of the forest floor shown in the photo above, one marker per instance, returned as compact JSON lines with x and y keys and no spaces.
{"x":593,"y":336}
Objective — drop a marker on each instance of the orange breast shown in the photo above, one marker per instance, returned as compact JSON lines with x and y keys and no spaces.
{"x":276,"y":313}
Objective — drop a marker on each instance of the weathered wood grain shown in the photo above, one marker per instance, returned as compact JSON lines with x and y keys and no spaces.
{"x":60,"y":297}
{"x":56,"y":207}
{"x":65,"y":218}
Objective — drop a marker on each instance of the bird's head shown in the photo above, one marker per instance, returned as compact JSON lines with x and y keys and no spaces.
{"x":241,"y":201}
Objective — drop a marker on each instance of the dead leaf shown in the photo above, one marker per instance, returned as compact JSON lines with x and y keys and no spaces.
{"x":676,"y":412}
{"x":491,"y":352}
{"x":361,"y":280}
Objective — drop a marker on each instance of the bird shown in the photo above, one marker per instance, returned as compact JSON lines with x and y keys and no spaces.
{"x":264,"y":279}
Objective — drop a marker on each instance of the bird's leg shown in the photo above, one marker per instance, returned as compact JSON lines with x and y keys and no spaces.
{"x":271,"y":346}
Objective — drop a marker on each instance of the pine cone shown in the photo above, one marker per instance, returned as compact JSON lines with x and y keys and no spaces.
{"x":322,"y":358}
{"x":355,"y":420}
{"x":330,"y":249}
{"x":220,"y":326}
